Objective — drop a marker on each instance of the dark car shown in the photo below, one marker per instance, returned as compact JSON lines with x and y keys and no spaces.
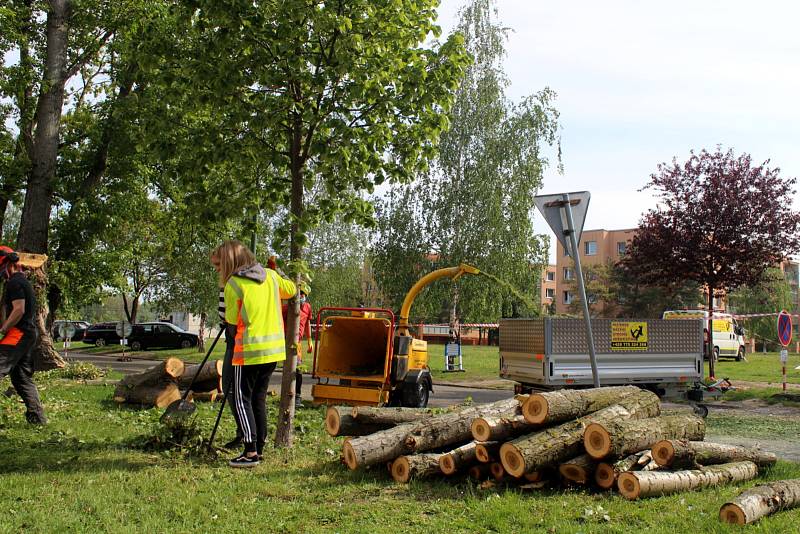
{"x":101,"y":334}
{"x":79,"y":326}
{"x":147,"y":335}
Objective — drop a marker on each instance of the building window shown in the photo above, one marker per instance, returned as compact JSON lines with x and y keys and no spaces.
{"x":549,"y":292}
{"x":551,"y":276}
{"x":590,"y":248}
{"x":569,"y":274}
{"x":622,"y":247}
{"x":568,"y":297}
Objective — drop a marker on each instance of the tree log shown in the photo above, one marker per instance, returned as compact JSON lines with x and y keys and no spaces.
{"x":340,"y":422}
{"x":682,"y":453}
{"x":549,"y":447}
{"x":211,"y":372}
{"x":389,"y":417}
{"x":205,"y":396}
{"x":432,"y":433}
{"x":457,"y":459}
{"x":606,"y":473}
{"x":620,"y":438}
{"x":497,"y":470}
{"x":578,"y":470}
{"x":499,"y":428}
{"x":170,"y":369}
{"x":415,"y":466}
{"x":636,"y":484}
{"x":565,"y":404}
{"x":159,"y":396}
{"x":487,"y":451}
{"x":761,"y":501}
{"x":480,"y":471}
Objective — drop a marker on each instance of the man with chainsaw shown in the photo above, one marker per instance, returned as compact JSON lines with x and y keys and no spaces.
{"x":18,"y":334}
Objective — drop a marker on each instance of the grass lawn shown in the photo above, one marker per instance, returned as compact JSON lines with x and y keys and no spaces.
{"x":760,"y":367}
{"x":87,"y":472}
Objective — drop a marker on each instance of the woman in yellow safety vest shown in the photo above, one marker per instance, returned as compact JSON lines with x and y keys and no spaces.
{"x":253,"y":306}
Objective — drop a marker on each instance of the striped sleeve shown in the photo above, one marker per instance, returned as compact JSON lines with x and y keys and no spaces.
{"x":221,"y":305}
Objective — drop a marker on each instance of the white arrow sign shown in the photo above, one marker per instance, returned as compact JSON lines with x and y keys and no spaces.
{"x":553,"y":209}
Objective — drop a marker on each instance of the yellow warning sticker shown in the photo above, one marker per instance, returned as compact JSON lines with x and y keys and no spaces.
{"x":722,"y":325}
{"x":628,"y":335}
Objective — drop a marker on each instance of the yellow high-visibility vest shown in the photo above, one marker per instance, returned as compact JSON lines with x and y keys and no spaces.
{"x":255,"y":309}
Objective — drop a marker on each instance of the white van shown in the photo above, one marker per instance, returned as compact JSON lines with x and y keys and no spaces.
{"x":728,"y":336}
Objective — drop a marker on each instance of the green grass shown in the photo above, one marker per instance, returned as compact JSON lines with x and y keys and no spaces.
{"x":85,"y":472}
{"x":480,"y":363}
{"x":756,"y":426}
{"x":760,"y":367}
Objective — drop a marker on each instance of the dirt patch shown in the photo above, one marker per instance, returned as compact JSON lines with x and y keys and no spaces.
{"x":744,"y":384}
{"x":783,"y":449}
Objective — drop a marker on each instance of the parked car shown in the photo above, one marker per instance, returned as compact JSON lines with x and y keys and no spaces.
{"x":80,"y":329}
{"x":101,"y":334}
{"x":160,"y":334}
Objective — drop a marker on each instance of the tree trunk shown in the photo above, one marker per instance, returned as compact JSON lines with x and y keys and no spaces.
{"x":761,"y":501}
{"x":170,"y":370}
{"x":45,"y":355}
{"x":710,"y":344}
{"x":201,"y":339}
{"x":160,"y":395}
{"x":211,"y":372}
{"x":636,"y":484}
{"x":433,"y":433}
{"x":457,"y":459}
{"x":559,"y":406}
{"x":488,"y":451}
{"x":549,"y":447}
{"x":606,"y":473}
{"x":415,"y":466}
{"x":499,"y":428}
{"x":389,"y":416}
{"x":578,"y":470}
{"x":620,"y":438}
{"x":683,"y":454}
{"x":132,"y":310}
{"x":339,"y":421}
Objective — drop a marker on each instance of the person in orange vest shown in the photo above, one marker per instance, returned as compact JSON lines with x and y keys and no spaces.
{"x":304,"y":331}
{"x":252,"y":297}
{"x":18,"y":334}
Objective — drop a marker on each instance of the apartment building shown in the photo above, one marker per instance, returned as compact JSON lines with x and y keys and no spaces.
{"x":548,"y":288}
{"x":596,"y":247}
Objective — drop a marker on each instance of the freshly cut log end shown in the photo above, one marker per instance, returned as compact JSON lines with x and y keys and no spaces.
{"x":578,"y":470}
{"x":447,"y":464}
{"x":415,"y":465}
{"x":605,"y":476}
{"x":512,"y":459}
{"x":597,"y":441}
{"x":174,"y":367}
{"x":457,"y":459}
{"x":497,"y":470}
{"x":535,"y":409}
{"x":663,"y":452}
{"x":535,"y":476}
{"x":733,"y":514}
{"x":349,"y":456}
{"x":480,"y":472}
{"x":486,"y":452}
{"x":481,"y":430}
{"x":628,"y":486}
{"x":401,"y":471}
{"x":333,"y":420}
{"x":638,"y":484}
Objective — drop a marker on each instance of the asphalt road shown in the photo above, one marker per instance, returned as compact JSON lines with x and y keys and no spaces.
{"x":442,"y":395}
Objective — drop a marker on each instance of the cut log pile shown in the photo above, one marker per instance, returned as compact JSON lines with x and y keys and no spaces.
{"x":612,"y":438}
{"x":166,"y":381}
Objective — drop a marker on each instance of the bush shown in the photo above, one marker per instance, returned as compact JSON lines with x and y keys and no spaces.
{"x":77,"y":371}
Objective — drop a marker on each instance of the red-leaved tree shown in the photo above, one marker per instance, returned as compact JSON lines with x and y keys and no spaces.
{"x":721,"y":221}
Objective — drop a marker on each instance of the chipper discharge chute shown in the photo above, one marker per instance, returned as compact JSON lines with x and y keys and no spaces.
{"x":364,"y":357}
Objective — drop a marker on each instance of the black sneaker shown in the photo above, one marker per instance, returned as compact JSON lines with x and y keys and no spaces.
{"x":244,"y":461}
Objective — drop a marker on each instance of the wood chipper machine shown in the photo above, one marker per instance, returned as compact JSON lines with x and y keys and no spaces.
{"x":362,"y":356}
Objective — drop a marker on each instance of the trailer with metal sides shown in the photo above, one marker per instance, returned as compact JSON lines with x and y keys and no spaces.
{"x":552,"y":353}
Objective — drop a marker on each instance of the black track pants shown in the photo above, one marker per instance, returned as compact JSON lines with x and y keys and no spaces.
{"x":250,"y":383}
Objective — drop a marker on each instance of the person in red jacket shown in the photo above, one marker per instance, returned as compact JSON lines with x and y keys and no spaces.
{"x":304,"y":332}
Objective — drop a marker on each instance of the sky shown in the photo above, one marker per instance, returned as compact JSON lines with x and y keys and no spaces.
{"x":639,"y":83}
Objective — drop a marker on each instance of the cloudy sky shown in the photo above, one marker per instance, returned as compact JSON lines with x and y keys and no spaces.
{"x":641,"y":82}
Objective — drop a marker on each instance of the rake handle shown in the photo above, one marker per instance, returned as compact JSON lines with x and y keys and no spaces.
{"x":202,"y":364}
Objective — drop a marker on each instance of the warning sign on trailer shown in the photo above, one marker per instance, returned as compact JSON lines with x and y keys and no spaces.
{"x":628,"y":335}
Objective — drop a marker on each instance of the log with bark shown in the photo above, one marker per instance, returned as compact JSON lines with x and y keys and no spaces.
{"x":458,"y":459}
{"x":480,"y":471}
{"x":339,"y":421}
{"x":498,"y":471}
{"x":554,"y":445}
{"x":558,"y":406}
{"x":411,"y":466}
{"x":169,"y":370}
{"x":500,"y":428}
{"x":160,"y":395}
{"x":389,"y":417}
{"x":578,"y":470}
{"x":607,"y":473}
{"x":488,"y":451}
{"x":637,"y":484}
{"x":433,"y":433}
{"x":210,"y":372}
{"x":761,"y":501}
{"x":205,"y":396}
{"x":619,"y":438}
{"x":680,"y":454}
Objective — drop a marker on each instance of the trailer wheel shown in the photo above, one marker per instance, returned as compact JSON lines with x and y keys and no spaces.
{"x":416,"y":395}
{"x":701,"y":410}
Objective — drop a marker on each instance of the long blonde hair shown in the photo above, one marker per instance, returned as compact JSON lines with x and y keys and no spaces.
{"x":232,"y":256}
